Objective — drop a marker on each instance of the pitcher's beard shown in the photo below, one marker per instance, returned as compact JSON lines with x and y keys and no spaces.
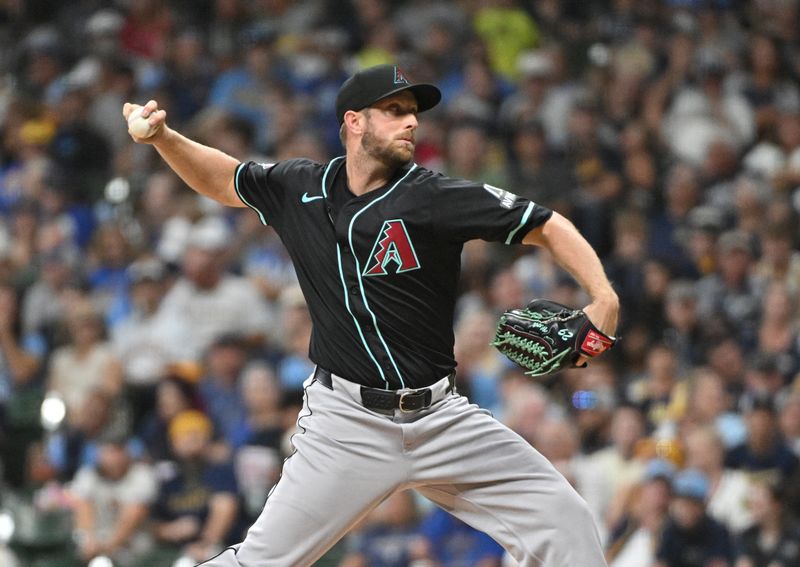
{"x":388,"y":155}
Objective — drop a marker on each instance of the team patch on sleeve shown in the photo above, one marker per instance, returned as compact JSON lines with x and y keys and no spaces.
{"x":506,"y":198}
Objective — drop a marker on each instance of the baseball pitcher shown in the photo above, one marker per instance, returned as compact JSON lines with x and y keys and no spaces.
{"x":376,"y":241}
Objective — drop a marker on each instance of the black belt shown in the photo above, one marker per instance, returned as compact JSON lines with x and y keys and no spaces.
{"x":377,"y":399}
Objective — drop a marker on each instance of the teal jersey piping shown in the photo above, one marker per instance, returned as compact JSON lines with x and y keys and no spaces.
{"x":325,"y":176}
{"x":236,"y":186}
{"x":344,"y":290}
{"x":358,"y":271}
{"x":527,"y":214}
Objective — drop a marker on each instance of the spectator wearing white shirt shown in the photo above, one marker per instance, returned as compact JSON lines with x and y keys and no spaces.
{"x":727,"y":501}
{"x":147,"y":341}
{"x":112,"y":500}
{"x":213,"y":301}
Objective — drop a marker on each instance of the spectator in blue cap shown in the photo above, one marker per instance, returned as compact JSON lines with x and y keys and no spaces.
{"x":691,"y":538}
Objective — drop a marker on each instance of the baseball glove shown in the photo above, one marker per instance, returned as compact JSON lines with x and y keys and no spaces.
{"x":545,"y":337}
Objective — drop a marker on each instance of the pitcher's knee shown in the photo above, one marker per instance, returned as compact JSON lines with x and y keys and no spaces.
{"x":226,"y":558}
{"x":566,"y":537}
{"x":572,"y":511}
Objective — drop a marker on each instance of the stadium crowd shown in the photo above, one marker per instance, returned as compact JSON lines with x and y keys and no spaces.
{"x":172,"y":334}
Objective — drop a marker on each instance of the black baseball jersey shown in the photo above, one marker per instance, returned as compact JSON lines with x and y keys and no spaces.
{"x":379,"y":271}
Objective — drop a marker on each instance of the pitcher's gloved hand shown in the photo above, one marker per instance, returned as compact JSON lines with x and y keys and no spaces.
{"x":545,"y":337}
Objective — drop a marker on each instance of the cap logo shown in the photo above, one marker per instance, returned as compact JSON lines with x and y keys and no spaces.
{"x":399,"y":77}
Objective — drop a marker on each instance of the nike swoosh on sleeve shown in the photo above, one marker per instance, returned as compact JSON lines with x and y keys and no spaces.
{"x":306,"y":199}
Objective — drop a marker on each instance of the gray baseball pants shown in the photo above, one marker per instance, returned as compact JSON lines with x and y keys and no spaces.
{"x":348,"y":459}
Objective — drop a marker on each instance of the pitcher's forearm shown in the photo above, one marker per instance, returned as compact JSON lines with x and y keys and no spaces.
{"x":206,"y":170}
{"x":573,"y":253}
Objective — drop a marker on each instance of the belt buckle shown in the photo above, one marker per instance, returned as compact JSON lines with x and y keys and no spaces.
{"x":402,"y":398}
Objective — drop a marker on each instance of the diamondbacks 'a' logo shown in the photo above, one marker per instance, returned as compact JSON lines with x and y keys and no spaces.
{"x":399,"y":77}
{"x":392,"y":249}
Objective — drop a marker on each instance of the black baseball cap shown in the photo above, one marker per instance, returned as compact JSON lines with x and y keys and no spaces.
{"x":368,"y":86}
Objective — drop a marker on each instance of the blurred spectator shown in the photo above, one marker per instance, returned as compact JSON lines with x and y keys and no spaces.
{"x":387,"y":535}
{"x":750,"y":199}
{"x":243,"y":90}
{"x":764,"y":451}
{"x":765,"y":86}
{"x":525,"y":404}
{"x":43,"y":308}
{"x":790,"y":419}
{"x":506,"y":29}
{"x":78,"y":149}
{"x":763,"y":376}
{"x":772,"y":541}
{"x":691,"y":538}
{"x":710,"y":405}
{"x":684,"y":328}
{"x":111,"y":502}
{"x":115,"y":84}
{"x":661,"y":394}
{"x":780,"y":262}
{"x":470,"y":153}
{"x":702,"y":114}
{"x":636,"y":535}
{"x":778,"y":332}
{"x":212,"y":301}
{"x":22,"y":232}
{"x":732,"y":294}
{"x":145,"y":30}
{"x":75,"y":444}
{"x":85,"y":363}
{"x":526,"y":105}
{"x":625,"y":265}
{"x":42,"y":515}
{"x":109,"y":254}
{"x":266,"y":262}
{"x":670,"y":228}
{"x":220,"y":387}
{"x":21,"y":359}
{"x":592,"y":400}
{"x":535,"y":171}
{"x":605,"y":472}
{"x":187,"y":75}
{"x":197,"y":506}
{"x":448,"y":542}
{"x":727,"y":360}
{"x":294,"y":367}
{"x":557,"y":439}
{"x":175,"y":393}
{"x":163,"y":216}
{"x":479,"y":366}
{"x":727,"y":488}
{"x":595,"y":165}
{"x":146,"y":341}
{"x":261,"y":425}
{"x":257,"y":440}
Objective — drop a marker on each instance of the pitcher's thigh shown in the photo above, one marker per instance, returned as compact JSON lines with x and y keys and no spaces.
{"x":504,"y":487}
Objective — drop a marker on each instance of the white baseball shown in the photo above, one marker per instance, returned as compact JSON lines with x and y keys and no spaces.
{"x":139,"y":126}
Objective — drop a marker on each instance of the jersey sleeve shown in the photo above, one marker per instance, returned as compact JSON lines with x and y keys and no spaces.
{"x":260,"y":187}
{"x":465,"y":210}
